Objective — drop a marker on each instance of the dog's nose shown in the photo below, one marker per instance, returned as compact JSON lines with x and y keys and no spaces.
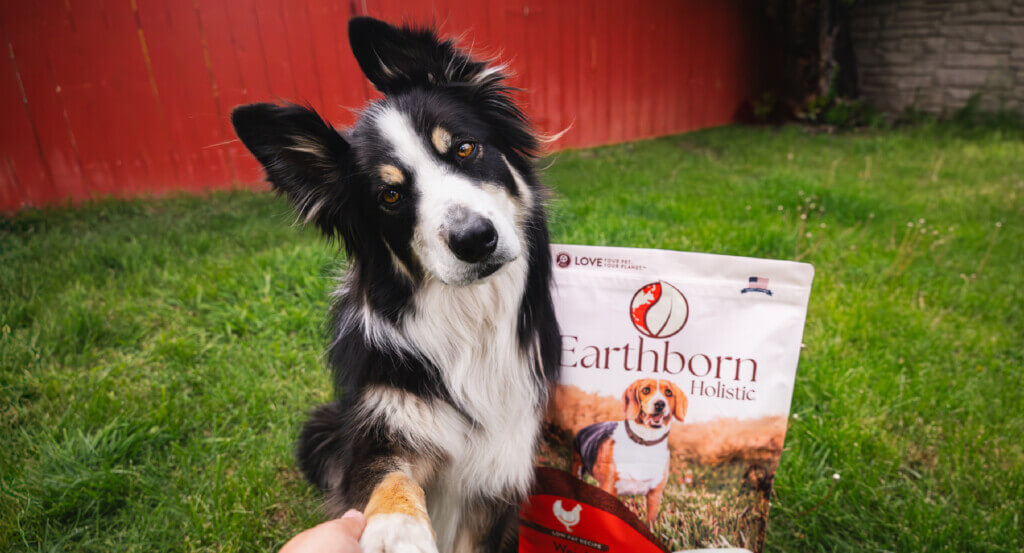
{"x":474,"y":240}
{"x":659,"y":406}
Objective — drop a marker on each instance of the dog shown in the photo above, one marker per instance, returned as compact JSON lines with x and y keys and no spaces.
{"x":631,"y":456}
{"x":444,"y":342}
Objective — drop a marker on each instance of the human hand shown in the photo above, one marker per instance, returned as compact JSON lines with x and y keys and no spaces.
{"x":340,"y":535}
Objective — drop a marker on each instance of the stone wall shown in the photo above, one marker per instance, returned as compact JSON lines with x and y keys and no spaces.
{"x":935,"y":54}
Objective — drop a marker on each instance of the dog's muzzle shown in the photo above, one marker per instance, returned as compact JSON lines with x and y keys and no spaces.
{"x":659,"y":417}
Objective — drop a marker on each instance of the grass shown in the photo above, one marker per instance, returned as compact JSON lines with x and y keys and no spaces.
{"x":157,"y":356}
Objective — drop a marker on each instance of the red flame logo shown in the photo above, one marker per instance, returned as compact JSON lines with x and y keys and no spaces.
{"x":659,"y":310}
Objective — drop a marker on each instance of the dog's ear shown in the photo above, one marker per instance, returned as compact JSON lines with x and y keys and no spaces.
{"x":304,"y":157}
{"x":681,"y":403}
{"x":396,"y":59}
{"x":630,"y":403}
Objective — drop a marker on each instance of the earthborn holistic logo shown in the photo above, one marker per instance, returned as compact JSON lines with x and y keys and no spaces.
{"x":757,"y":284}
{"x":659,"y":310}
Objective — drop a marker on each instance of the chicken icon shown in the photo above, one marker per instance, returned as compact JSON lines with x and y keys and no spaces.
{"x":567,"y":518}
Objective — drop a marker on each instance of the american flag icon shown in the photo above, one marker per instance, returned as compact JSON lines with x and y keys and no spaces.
{"x":757,"y":284}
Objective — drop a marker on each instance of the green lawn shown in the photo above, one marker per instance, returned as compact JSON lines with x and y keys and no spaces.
{"x":157,"y":357}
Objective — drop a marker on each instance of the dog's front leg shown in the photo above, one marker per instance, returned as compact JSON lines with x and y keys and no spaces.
{"x":396,"y":517}
{"x":654,"y":500}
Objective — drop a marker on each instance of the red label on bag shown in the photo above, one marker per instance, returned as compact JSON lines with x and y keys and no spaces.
{"x":566,"y":515}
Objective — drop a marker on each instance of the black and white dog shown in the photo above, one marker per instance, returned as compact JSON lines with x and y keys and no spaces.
{"x":444,"y":339}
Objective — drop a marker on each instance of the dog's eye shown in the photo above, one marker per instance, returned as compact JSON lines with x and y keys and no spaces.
{"x":465,"y":149}
{"x":390,"y":196}
{"x":668,"y":393}
{"x":646,"y":390}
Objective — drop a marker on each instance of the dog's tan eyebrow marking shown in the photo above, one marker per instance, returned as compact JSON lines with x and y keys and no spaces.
{"x":391,"y":174}
{"x":441,"y":139}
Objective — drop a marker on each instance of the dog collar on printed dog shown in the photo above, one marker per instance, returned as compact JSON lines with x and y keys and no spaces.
{"x":632,"y":436}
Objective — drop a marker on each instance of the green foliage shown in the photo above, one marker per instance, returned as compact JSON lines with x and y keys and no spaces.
{"x":839,"y":112}
{"x":972,"y":116}
{"x":914,"y":116}
{"x":764,"y":106}
{"x":847,"y":114}
{"x":817,"y":105}
{"x":158,"y":356}
{"x":969,"y":120}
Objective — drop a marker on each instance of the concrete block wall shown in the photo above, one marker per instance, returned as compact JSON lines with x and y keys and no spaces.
{"x":935,"y":54}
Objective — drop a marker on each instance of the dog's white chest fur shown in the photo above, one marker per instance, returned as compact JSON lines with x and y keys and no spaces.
{"x":469,"y":333}
{"x":640,"y":467}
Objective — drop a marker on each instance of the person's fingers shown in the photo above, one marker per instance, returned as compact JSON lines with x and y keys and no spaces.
{"x":352,"y":523}
{"x":340,"y":535}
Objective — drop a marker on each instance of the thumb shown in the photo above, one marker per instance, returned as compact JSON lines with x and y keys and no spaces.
{"x":352,"y":523}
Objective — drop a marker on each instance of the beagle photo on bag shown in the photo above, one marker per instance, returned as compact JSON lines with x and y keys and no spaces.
{"x":631,"y":456}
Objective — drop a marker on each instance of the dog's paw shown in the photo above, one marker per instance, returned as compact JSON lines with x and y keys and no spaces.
{"x":397,"y":533}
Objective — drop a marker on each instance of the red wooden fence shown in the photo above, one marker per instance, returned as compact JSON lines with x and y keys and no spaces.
{"x":123,"y":97}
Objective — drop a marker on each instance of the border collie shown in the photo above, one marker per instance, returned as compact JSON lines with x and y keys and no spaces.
{"x":444,"y":340}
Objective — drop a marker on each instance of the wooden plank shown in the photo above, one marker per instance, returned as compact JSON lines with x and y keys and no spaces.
{"x":181,"y":78}
{"x":229,"y":80}
{"x":342,"y":83}
{"x":112,"y":110}
{"x":26,"y":46}
{"x":568,"y":78}
{"x":240,"y":69}
{"x":24,"y":176}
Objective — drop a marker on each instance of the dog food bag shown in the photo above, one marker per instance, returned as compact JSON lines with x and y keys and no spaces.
{"x":667,"y":424}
